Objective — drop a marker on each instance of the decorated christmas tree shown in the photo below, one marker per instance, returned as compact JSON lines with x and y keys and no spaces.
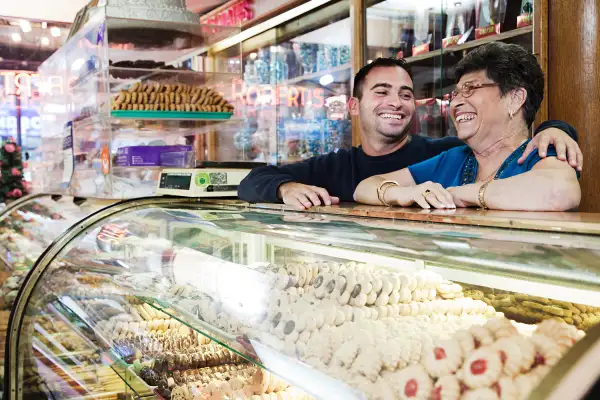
{"x":11,"y":168}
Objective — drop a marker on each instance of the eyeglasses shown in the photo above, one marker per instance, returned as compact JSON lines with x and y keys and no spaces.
{"x":467,"y":89}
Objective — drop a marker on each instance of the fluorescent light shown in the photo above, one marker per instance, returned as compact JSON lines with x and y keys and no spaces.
{"x":44,"y":25}
{"x":55,"y":31}
{"x":25,"y":26}
{"x":45,"y":41}
{"x":326,"y":79}
{"x":77,"y":64}
{"x":16,"y":37}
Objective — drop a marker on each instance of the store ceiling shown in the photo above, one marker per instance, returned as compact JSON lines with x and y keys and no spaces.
{"x":65,"y":10}
{"x":43,"y":10}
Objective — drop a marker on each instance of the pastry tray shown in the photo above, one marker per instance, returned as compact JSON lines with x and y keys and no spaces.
{"x":139,"y":114}
{"x":134,"y":375}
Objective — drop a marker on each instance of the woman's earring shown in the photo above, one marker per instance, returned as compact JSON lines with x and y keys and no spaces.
{"x":510,"y":114}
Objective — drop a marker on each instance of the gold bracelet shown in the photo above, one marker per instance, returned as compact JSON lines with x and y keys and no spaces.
{"x":481,"y":196}
{"x":383,"y":187}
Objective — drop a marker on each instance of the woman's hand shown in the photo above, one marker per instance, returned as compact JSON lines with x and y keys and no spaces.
{"x":466,"y":195}
{"x":426,"y":195}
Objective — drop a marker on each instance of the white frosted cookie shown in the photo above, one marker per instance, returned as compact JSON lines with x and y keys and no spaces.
{"x":528,"y":351}
{"x":501,"y":327}
{"x":506,"y":389}
{"x":511,"y":356}
{"x":563,"y":334}
{"x":413,"y":383}
{"x":446,"y":388}
{"x":480,"y":394}
{"x":547,"y":351}
{"x":481,"y":336}
{"x":482,"y":368}
{"x":444,"y":358}
{"x":368,"y":363}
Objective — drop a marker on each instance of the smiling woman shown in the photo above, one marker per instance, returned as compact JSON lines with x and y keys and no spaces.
{"x":499,"y":90}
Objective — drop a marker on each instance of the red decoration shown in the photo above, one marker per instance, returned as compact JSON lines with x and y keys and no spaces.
{"x":15,"y":172}
{"x":411,"y":388}
{"x":10,"y":148}
{"x":440,"y":353}
{"x":478,"y":367}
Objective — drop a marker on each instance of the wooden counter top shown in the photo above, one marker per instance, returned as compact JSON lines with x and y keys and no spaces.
{"x":566,"y":222}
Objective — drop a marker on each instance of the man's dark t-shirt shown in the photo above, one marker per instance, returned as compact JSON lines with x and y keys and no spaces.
{"x":339,"y":173}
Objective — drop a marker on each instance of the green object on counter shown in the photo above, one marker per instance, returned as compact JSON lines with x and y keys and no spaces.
{"x":135,"y":114}
{"x":137,"y":366}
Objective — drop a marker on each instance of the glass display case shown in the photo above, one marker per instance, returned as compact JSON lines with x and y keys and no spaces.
{"x":27,"y":228}
{"x":181,"y":299}
{"x":433,"y":36}
{"x":295,"y":84}
{"x":126,"y":95}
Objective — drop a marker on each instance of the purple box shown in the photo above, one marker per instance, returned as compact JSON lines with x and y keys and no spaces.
{"x":135,"y":156}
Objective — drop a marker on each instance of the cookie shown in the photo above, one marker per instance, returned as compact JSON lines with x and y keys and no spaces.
{"x":482,"y":368}
{"x":444,"y":358}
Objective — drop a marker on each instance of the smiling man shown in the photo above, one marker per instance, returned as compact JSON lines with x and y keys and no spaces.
{"x":383,"y":98}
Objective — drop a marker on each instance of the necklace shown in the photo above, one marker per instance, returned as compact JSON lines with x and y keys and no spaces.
{"x":469,"y":172}
{"x":489,"y":176}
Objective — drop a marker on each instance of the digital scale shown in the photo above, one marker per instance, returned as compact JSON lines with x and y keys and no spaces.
{"x":207,"y":179}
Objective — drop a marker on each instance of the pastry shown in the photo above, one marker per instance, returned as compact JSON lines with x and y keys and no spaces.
{"x":482,"y":368}
{"x":444,"y":358}
{"x":480,"y":394}
{"x":446,"y":388}
{"x":413,"y":383}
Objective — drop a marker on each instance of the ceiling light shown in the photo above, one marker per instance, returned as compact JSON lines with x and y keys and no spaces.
{"x":16,"y":37}
{"x":55,"y":31}
{"x":253,"y":56}
{"x":44,"y":25}
{"x":77,"y":64}
{"x":25,"y":26}
{"x":45,"y":41}
{"x":326,"y":79}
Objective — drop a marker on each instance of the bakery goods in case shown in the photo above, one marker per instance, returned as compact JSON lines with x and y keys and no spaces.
{"x":532,"y":309}
{"x":158,"y":96}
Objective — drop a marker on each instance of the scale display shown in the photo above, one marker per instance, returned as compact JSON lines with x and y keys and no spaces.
{"x":201,"y":182}
{"x":175,"y":181}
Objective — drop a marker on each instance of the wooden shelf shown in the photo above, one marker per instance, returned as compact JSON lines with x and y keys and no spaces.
{"x":474,"y":43}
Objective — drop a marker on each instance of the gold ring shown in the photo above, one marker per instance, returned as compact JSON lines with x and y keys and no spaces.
{"x":426,"y":193}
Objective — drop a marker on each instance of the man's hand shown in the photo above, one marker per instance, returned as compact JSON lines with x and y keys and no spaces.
{"x":303,"y":196}
{"x":564,"y":144}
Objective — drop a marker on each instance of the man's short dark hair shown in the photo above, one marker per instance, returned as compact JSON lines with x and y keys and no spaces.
{"x":511,"y":67}
{"x":361,"y":75}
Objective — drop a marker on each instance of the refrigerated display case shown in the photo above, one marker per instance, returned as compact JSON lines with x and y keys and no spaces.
{"x":27,"y":228}
{"x":182,"y":299}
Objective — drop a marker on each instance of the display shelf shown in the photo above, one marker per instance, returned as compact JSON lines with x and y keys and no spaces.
{"x":66,"y":369}
{"x":171,"y":115}
{"x":473,"y":43}
{"x":109,"y":358}
{"x":289,"y":369}
{"x":342,"y":72}
{"x":563,"y":284}
{"x":153,"y":127}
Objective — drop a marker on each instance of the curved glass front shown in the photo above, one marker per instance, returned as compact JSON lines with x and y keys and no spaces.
{"x":188,"y":301}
